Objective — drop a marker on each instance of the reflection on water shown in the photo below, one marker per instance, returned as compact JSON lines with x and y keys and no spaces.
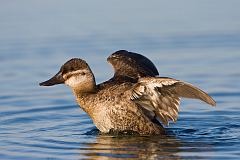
{"x":168,"y":146}
{"x":110,"y":147}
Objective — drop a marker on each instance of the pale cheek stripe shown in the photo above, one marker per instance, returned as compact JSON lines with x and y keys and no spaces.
{"x":74,"y":73}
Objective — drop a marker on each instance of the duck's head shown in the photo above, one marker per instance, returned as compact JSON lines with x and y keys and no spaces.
{"x":76,"y":74}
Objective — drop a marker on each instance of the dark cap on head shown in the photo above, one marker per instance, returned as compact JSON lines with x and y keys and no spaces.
{"x":73,"y":64}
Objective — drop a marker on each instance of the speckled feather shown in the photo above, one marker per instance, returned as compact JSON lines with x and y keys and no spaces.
{"x":111,"y":109}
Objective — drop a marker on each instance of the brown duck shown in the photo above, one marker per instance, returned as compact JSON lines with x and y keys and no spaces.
{"x":134,"y":99}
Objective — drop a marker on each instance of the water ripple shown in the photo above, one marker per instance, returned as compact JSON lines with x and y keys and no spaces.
{"x":45,"y":123}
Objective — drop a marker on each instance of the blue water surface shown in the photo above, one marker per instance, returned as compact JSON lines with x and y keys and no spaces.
{"x":198,"y":42}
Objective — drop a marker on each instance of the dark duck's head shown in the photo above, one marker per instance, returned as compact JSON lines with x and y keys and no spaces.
{"x":76,"y":74}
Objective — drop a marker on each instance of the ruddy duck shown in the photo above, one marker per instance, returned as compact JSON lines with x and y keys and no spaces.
{"x":134,"y":99}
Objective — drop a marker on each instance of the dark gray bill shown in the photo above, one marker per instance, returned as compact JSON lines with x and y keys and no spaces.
{"x":57,"y":79}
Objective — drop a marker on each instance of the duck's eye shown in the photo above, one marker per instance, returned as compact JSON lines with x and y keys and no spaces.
{"x":64,"y":71}
{"x":83,"y":73}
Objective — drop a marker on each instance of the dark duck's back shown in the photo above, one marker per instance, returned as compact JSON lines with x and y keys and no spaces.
{"x":133,"y":100}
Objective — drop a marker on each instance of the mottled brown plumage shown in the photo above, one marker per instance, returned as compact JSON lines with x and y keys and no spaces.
{"x":133,"y":100}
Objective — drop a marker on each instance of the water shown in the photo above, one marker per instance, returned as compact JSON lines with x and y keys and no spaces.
{"x":46,"y":123}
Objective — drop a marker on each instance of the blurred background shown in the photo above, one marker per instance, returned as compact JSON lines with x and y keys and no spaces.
{"x":195,"y":41}
{"x":51,"y":32}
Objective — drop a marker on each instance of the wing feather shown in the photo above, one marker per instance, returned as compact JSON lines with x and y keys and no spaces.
{"x":132,"y":65}
{"x":161,"y":96}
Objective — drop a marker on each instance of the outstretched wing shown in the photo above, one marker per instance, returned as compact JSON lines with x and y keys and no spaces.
{"x":132,"y":65}
{"x":161,"y":96}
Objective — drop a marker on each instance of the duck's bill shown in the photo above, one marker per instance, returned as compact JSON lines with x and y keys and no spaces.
{"x":57,"y":79}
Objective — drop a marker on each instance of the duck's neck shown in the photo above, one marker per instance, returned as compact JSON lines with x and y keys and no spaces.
{"x":84,"y":99}
{"x":85,"y":92}
{"x":86,"y":88}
